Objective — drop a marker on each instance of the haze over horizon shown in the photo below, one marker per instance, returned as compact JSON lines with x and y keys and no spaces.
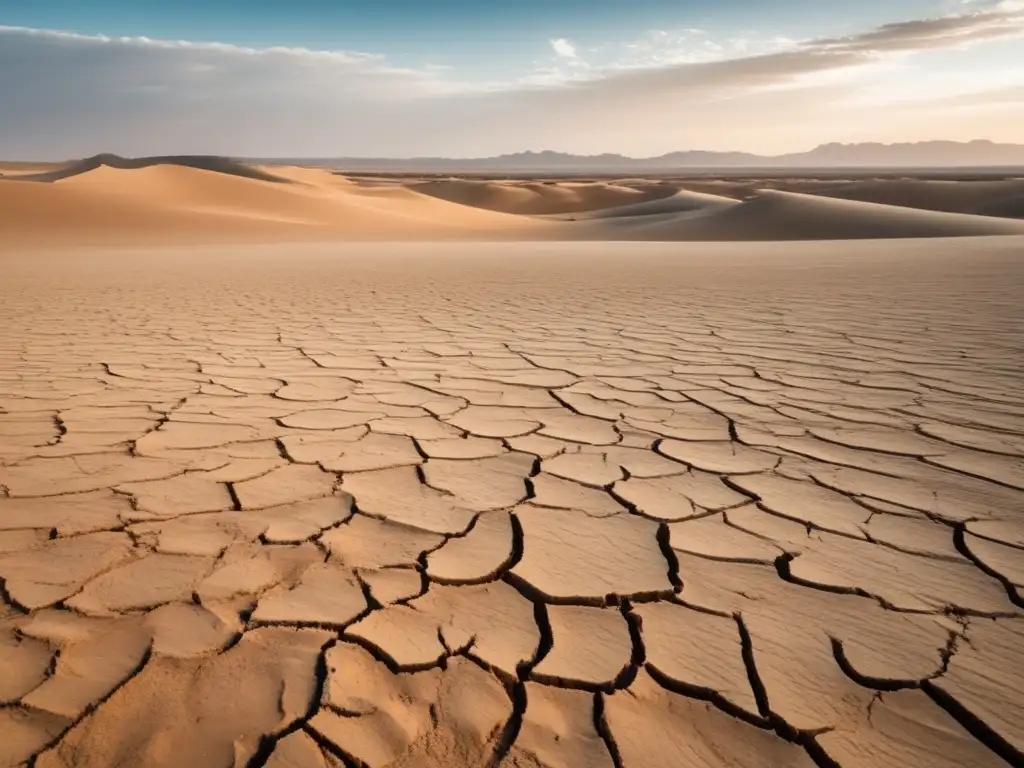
{"x":315,"y":79}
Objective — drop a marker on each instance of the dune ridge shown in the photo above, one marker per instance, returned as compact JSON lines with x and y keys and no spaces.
{"x":106,"y":200}
{"x":683,"y":201}
{"x":1003,"y":198}
{"x":533,"y":198}
{"x":181,"y":204}
{"x":199,"y":162}
{"x":775,"y":215}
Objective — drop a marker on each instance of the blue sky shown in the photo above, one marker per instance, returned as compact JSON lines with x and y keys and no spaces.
{"x":481,"y":77}
{"x":453,"y":32}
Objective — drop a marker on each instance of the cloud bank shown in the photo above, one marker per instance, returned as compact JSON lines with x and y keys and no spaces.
{"x":65,"y":95}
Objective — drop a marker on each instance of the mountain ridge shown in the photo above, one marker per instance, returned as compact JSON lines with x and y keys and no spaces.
{"x":925,"y":154}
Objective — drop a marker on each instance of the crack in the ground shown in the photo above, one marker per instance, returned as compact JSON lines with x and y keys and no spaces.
{"x":605,"y":732}
{"x":960,"y":542}
{"x":974,"y":725}
{"x":268,"y":742}
{"x":877,"y":683}
{"x":671,"y":559}
{"x":508,"y":734}
{"x":95,"y":705}
{"x":236,"y":503}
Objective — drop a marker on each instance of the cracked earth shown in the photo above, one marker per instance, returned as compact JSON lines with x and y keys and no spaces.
{"x":514,"y":506}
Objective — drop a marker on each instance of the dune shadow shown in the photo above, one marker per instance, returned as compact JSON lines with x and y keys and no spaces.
{"x":212,"y":163}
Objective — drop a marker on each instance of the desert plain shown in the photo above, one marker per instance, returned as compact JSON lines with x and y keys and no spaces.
{"x":304,"y":469}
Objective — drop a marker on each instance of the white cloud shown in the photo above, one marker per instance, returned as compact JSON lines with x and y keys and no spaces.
{"x":563,"y":48}
{"x":663,"y":48}
{"x":74,"y":37}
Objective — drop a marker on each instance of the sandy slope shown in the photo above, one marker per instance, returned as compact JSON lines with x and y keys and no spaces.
{"x":514,"y":505}
{"x":541,"y":198}
{"x":181,"y":204}
{"x":987,"y":198}
{"x":775,"y":215}
{"x":199,"y":162}
{"x":683,"y":201}
{"x":183,"y":200}
{"x":997,"y":197}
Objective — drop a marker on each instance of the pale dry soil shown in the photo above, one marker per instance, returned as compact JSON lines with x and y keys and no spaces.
{"x":514,"y":505}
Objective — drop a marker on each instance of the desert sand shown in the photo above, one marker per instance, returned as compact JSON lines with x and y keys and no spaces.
{"x":109,"y":200}
{"x":274,"y":495}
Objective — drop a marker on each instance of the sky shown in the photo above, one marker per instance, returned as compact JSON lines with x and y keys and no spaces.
{"x":468,"y":78}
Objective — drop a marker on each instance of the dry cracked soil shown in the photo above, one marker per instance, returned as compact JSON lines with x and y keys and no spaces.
{"x":514,"y":505}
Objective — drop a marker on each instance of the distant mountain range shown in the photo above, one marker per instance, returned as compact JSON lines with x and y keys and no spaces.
{"x":925,"y":154}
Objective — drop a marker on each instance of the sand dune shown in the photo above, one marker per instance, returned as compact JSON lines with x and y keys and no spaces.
{"x":200,"y":162}
{"x":683,"y":201}
{"x":1009,"y":207}
{"x":181,"y":200}
{"x":541,"y":198}
{"x":178,"y":203}
{"x":775,"y":215}
{"x":21,"y":169}
{"x":988,"y":198}
{"x":998,"y":197}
